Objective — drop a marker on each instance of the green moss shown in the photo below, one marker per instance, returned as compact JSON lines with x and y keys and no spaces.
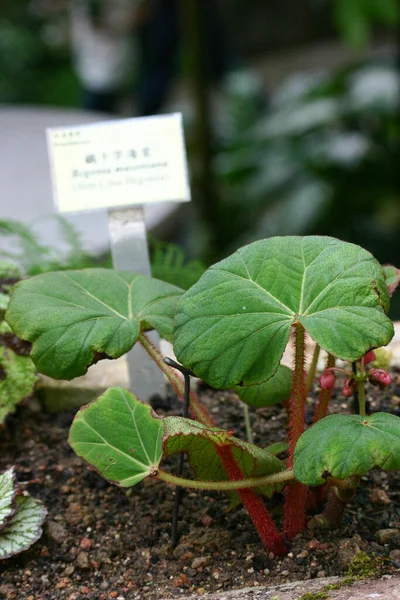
{"x":364,"y":566}
{"x":324,"y":593}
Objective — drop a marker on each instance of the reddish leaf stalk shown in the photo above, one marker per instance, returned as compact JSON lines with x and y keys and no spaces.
{"x":256,"y":508}
{"x":296,"y":494}
{"x":325,"y":396}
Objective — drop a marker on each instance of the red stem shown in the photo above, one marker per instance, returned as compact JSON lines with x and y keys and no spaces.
{"x":325,"y":396}
{"x":296,"y":494}
{"x":256,"y":508}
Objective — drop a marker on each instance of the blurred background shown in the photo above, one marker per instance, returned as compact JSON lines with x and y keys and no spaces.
{"x":291,"y":108}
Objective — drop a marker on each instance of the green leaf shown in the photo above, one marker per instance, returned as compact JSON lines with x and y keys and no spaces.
{"x":74,"y":318}
{"x":17,"y":380}
{"x":343,"y":445}
{"x":119,"y":436}
{"x":24,"y":528}
{"x":233,"y":325}
{"x":201,"y":445}
{"x":8,"y":492}
{"x":392,"y":276}
{"x":277,"y":389}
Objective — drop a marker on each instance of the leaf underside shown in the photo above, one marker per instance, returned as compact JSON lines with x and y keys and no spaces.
{"x":73,"y":318}
{"x":233,"y":325}
{"x":8,"y":492}
{"x":277,"y":389}
{"x":119,"y":436}
{"x":344,"y":445}
{"x":18,"y":382}
{"x":201,"y":446}
{"x":24,"y":528}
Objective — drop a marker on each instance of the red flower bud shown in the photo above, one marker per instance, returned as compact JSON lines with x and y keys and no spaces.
{"x":379,"y":377}
{"x":348,"y":389}
{"x":369,"y":357}
{"x":327,"y":380}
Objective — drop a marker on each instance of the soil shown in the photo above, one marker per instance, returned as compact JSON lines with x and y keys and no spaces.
{"x":102,"y":542}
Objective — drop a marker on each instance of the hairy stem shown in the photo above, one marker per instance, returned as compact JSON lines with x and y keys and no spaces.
{"x":260,"y":516}
{"x":227,"y":486}
{"x":324,"y":396}
{"x":296,"y":494}
{"x":255,"y":506}
{"x":361,"y":390}
{"x":249,"y":433}
{"x":312,"y":369}
{"x":199,"y":411}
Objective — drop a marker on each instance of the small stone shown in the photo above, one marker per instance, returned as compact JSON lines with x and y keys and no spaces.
{"x":267,"y":571}
{"x":113,"y":595}
{"x":207,"y":521}
{"x":56,"y":531}
{"x":103,"y":585}
{"x":385,"y":535}
{"x":200,"y":562}
{"x":63,"y":583}
{"x":378,"y":496}
{"x":321,"y":573}
{"x":395,"y":556}
{"x":68,"y":571}
{"x":86,"y":543}
{"x":82,"y":560}
{"x":285,"y":573}
{"x":348,"y":548}
{"x":187,"y":556}
{"x":8,"y":591}
{"x":181,"y":581}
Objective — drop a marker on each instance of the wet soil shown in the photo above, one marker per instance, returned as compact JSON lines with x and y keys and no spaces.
{"x":102,"y":542}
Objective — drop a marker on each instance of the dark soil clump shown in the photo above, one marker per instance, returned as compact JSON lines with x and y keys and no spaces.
{"x":103,"y":542}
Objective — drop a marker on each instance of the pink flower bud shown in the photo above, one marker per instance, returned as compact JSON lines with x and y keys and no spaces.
{"x":327,"y":380}
{"x":369,"y":357}
{"x":348,"y":389}
{"x":380,"y":377}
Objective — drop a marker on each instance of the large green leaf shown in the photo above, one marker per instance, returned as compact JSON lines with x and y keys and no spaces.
{"x":343,"y":445}
{"x":73,"y":318}
{"x":201,"y":445}
{"x":17,"y":380}
{"x":24,"y":528}
{"x":277,"y":389}
{"x":119,"y":436}
{"x":233,"y":325}
{"x":8,"y":492}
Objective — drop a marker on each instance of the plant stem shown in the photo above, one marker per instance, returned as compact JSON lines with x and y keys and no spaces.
{"x":296,"y":494}
{"x":246,"y":413}
{"x":333,"y":511}
{"x":199,"y":411}
{"x":361,"y":390}
{"x":227,"y":486}
{"x":324,"y":396}
{"x":254,"y":504}
{"x":313,"y":367}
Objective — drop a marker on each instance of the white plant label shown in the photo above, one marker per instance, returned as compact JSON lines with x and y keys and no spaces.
{"x":119,"y":163}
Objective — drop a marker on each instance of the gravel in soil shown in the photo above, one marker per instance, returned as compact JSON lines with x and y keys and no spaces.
{"x":102,"y":542}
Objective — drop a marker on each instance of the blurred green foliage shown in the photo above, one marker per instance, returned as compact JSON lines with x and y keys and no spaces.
{"x":35,"y":66}
{"x":322,"y":159}
{"x":355,"y":19}
{"x":32,"y":257}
